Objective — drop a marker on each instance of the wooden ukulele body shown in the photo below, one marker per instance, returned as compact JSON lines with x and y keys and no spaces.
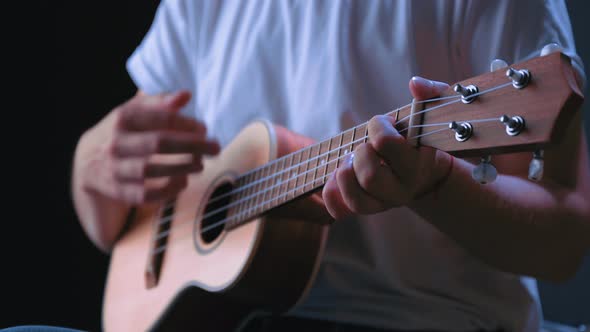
{"x":214,"y":283}
{"x":263,"y":265}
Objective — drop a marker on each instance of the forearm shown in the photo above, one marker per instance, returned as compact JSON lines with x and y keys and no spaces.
{"x":101,"y":217}
{"x":513,"y":224}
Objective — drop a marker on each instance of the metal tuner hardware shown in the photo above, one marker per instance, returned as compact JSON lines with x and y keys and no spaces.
{"x":497,"y":64}
{"x":485,"y":172}
{"x":514,"y":125}
{"x":537,"y":165}
{"x":466,"y":92}
{"x":520,"y":77}
{"x":463,"y":130}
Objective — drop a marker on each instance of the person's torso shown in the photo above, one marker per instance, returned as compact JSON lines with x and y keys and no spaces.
{"x":320,"y":67}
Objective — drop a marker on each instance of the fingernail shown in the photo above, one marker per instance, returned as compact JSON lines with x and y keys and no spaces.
{"x":422,"y":81}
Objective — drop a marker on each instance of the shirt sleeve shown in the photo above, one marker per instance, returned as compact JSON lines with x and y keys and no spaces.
{"x":163,"y":61}
{"x":518,"y":30}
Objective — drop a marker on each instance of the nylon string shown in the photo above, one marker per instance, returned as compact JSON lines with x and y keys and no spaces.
{"x":322,"y":178}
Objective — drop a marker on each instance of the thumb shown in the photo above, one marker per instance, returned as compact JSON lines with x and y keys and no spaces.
{"x":422,"y":88}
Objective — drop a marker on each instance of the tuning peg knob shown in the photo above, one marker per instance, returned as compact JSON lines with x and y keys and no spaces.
{"x":536,"y":166}
{"x":551,"y":48}
{"x":520,"y":77}
{"x":485,"y":172}
{"x":514,"y":125}
{"x":462,"y":130}
{"x":466,"y":92}
{"x":498,"y":64}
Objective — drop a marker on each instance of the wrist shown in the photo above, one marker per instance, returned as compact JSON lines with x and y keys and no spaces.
{"x":441,"y":181}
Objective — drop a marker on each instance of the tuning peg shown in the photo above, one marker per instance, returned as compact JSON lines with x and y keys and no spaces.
{"x":536,"y":166}
{"x":462,"y":130}
{"x":520,"y":77}
{"x":551,"y":48}
{"x":485,"y":172}
{"x":514,"y":125}
{"x":498,"y":64}
{"x":466,"y":92}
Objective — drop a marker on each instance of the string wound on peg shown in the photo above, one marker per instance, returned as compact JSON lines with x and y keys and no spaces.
{"x":463,"y":130}
{"x":466,"y":92}
{"x":520,"y":77}
{"x":514,"y":124}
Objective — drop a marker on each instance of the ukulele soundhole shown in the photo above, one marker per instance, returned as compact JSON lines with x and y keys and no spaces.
{"x":216,"y":213}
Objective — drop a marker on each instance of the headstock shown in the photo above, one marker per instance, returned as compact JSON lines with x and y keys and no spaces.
{"x":525,"y":107}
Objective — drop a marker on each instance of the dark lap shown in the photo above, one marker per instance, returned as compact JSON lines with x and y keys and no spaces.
{"x":38,"y":328}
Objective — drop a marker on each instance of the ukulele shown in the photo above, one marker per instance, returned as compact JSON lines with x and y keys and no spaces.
{"x":214,"y":257}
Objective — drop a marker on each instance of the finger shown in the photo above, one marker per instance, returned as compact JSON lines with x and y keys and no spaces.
{"x":376,"y":177}
{"x":161,"y":102}
{"x":146,"y":120}
{"x":138,"y":169}
{"x":139,"y":192}
{"x":422,"y":88}
{"x":355,"y":197}
{"x":392,"y":147}
{"x":333,"y":199}
{"x":164,"y":142}
{"x":157,"y":112}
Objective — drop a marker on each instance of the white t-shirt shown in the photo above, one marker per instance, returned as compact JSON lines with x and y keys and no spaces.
{"x":320,"y":67}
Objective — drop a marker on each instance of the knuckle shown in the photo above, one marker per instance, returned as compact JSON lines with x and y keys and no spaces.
{"x":376,"y":120}
{"x":368,"y":178}
{"x":124,"y":114}
{"x":155,"y":143}
{"x":120,"y":115}
{"x":113,"y":146}
{"x":382,"y":142}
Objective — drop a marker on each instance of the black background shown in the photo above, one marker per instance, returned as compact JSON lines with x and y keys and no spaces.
{"x":75,"y":53}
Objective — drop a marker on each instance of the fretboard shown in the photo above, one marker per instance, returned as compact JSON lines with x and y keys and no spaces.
{"x":292,"y":176}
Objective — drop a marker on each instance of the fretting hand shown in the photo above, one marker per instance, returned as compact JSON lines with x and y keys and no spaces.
{"x":386,"y":171}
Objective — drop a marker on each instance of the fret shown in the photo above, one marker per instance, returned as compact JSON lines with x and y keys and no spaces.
{"x":285,"y":179}
{"x":315,"y":151}
{"x":243,"y":194}
{"x":302,"y":171}
{"x":346,"y":147}
{"x":335,"y":144}
{"x":236,"y":197}
{"x":293,"y":174}
{"x":250,"y":195}
{"x":268,"y":186}
{"x":276,"y":181}
{"x":359,"y":134}
{"x":260,"y":192}
{"x":321,"y":170}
